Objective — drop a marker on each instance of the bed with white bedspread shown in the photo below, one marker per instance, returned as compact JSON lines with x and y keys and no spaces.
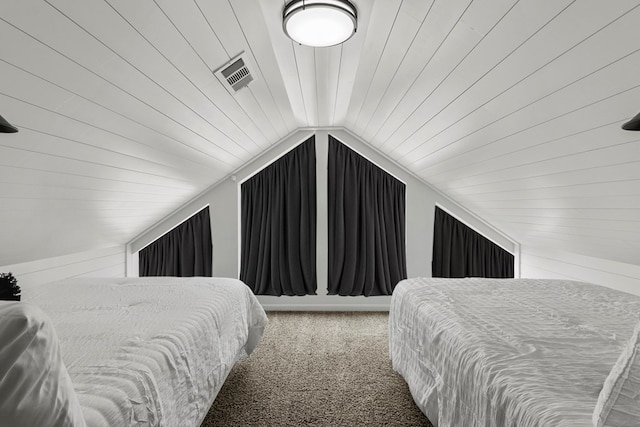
{"x":517,"y":352}
{"x":146,"y":351}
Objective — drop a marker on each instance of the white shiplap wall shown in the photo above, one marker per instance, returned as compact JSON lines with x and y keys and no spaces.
{"x":108,"y":262}
{"x":555,"y":264}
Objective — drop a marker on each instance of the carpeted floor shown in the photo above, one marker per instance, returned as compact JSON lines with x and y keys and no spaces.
{"x":317,"y":369}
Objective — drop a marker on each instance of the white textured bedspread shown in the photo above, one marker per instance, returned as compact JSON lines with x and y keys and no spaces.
{"x":507,"y":352}
{"x":150,"y":351}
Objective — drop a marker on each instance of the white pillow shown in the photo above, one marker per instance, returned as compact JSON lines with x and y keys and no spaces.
{"x":35,"y":387}
{"x":619,"y":402}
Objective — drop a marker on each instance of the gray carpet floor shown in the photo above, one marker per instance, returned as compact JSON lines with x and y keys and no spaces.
{"x":317,"y":369}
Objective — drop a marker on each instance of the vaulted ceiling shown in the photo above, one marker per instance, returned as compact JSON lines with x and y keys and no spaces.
{"x":511,"y":108}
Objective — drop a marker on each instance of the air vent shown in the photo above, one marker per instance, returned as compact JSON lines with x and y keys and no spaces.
{"x":235,"y":74}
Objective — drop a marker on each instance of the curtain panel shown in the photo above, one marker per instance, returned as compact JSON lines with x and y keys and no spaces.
{"x":185,"y":251}
{"x":278,"y":225}
{"x":367,"y":254}
{"x":459,"y":251}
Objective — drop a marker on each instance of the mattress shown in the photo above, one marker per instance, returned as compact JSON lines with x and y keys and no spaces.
{"x":507,"y":352}
{"x":150,"y":351}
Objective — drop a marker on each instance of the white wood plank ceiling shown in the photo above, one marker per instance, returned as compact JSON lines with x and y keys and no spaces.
{"x":512,"y":108}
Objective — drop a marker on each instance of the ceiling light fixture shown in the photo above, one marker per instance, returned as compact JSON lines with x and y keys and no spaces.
{"x":633,"y":124}
{"x":319,"y":23}
{"x":5,"y":127}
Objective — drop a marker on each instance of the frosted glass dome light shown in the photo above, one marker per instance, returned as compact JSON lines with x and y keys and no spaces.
{"x":319,"y":23}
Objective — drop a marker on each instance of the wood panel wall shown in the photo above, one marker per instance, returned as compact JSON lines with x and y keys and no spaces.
{"x":536,"y":263}
{"x":108,"y":262}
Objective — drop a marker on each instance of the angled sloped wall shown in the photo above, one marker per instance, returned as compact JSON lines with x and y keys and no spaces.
{"x":548,"y":263}
{"x":223,"y":201}
{"x":108,"y":262}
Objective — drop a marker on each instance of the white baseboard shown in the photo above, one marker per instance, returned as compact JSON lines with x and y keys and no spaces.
{"x":325,"y":303}
{"x":325,"y":307}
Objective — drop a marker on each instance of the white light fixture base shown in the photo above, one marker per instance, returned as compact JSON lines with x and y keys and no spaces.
{"x":319,"y":23}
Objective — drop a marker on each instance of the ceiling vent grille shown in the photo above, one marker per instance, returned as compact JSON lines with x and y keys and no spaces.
{"x":235,"y":74}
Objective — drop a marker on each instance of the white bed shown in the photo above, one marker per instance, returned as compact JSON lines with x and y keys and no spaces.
{"x":143,"y":351}
{"x":517,"y":352}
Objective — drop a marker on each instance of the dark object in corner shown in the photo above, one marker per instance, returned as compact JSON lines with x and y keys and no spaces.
{"x":9,"y":289}
{"x":6,"y":127}
{"x":633,"y":124}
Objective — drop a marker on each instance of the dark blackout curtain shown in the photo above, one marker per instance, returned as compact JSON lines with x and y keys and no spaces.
{"x":278,"y":255}
{"x":459,"y":251}
{"x":184,"y":251}
{"x":367,"y":253}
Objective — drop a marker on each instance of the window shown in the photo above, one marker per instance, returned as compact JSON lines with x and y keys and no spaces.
{"x":278,"y":220}
{"x":459,"y":251}
{"x":367,"y":254}
{"x":184,"y":251}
